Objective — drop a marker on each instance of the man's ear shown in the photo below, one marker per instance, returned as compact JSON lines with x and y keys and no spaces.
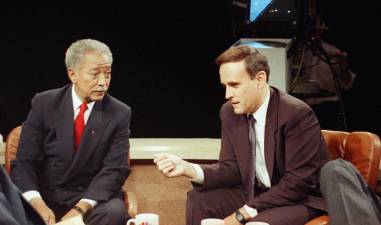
{"x":72,"y":75}
{"x":261,"y":77}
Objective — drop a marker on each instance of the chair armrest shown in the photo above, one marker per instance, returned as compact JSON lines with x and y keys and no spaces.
{"x":321,"y":220}
{"x":130,"y":203}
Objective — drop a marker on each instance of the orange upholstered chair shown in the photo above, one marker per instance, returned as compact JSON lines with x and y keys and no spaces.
{"x":362,"y":149}
{"x":11,"y":151}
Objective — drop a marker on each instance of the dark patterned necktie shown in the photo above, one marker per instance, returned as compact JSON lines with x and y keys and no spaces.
{"x":251,"y":120}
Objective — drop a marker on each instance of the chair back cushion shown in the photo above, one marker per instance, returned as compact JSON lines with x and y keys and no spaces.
{"x":335,"y":141}
{"x":360,"y":148}
{"x":11,"y":147}
{"x":363,"y":150}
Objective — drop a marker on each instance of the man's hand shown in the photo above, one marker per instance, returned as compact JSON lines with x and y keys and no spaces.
{"x":70,"y":214}
{"x":173,"y":166}
{"x":45,"y":212}
{"x":84,"y":206}
{"x":231,"y":220}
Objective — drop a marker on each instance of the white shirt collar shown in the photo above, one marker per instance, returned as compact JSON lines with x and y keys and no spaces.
{"x":77,"y":101}
{"x":260,"y":114}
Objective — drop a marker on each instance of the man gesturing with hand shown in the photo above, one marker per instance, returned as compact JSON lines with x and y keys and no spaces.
{"x":271,"y":152}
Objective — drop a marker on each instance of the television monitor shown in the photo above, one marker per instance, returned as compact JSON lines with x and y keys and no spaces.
{"x":256,"y":8}
{"x":279,"y":11}
{"x":278,"y":18}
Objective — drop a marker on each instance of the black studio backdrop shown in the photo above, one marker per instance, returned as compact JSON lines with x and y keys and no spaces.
{"x":163,"y":60}
{"x":163,"y":66}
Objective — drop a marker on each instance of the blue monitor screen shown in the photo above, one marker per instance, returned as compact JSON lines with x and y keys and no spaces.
{"x":257,"y":7}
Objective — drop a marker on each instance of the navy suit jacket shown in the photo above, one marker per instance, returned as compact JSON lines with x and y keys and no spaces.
{"x":47,"y":161}
{"x":14,"y":210}
{"x":294,"y":152}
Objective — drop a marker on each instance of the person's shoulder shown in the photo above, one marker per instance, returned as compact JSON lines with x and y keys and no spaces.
{"x":330,"y":48}
{"x":289,"y":102}
{"x":226,"y":110}
{"x":226,"y":106}
{"x":115,"y":106}
{"x":228,"y":117}
{"x":294,"y":115}
{"x":52,"y":94}
{"x":290,"y":109}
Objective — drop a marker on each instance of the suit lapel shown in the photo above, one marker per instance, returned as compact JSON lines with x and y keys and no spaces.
{"x":270,"y":132}
{"x":65,"y":128}
{"x":93,"y":132}
{"x":241,"y":134}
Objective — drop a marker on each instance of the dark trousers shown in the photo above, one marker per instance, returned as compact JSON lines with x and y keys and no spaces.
{"x":220,"y":203}
{"x":111,"y":212}
{"x":350,"y":201}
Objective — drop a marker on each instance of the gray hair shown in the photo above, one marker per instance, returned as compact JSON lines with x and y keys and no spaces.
{"x":78,"y":49}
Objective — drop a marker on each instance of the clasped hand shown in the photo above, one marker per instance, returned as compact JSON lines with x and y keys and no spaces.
{"x":48,"y":215}
{"x":45,"y":212}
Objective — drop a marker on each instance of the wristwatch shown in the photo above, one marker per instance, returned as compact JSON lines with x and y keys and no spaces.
{"x":80,"y":210}
{"x":240,"y":218}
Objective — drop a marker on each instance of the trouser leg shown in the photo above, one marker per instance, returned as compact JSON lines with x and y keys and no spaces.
{"x":215,"y":203}
{"x":111,"y":212}
{"x":288,"y":215}
{"x":350,"y":201}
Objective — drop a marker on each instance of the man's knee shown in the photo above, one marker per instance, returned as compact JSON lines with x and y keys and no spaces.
{"x":195,"y":197}
{"x":336,"y":171}
{"x":110,"y":212}
{"x":203,"y":201}
{"x":116,"y":209}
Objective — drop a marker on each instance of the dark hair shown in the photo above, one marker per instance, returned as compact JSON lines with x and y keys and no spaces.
{"x":254,"y":60}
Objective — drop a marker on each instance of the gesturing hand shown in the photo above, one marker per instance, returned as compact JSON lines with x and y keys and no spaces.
{"x":173,"y":166}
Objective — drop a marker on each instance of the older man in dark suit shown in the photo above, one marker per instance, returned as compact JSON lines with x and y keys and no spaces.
{"x":72,"y":156}
{"x":271,"y":152}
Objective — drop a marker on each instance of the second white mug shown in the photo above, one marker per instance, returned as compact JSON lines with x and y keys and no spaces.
{"x":145,"y":219}
{"x":212,"y":221}
{"x":257,"y":223}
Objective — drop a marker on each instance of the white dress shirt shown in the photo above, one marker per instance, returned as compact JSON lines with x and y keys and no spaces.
{"x":260,"y":163}
{"x":29,"y":195}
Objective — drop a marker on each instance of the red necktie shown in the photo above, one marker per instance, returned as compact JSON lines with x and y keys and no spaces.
{"x":79,"y":125}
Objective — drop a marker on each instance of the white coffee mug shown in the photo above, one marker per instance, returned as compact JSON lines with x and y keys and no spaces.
{"x":257,"y":223}
{"x":212,"y":221}
{"x":145,"y":219}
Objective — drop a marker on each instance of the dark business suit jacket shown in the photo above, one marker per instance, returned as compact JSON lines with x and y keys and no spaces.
{"x":14,"y":210}
{"x":294,"y":152}
{"x":47,"y":161}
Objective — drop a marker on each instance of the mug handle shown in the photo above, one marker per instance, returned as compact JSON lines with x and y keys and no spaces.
{"x":131,"y":220}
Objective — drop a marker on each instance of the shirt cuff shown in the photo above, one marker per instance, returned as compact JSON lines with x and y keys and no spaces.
{"x":91,"y":202}
{"x":29,"y":195}
{"x":251,"y":211}
{"x":199,"y":174}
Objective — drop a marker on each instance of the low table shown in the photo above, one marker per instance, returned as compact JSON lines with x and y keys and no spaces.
{"x":186,"y":148}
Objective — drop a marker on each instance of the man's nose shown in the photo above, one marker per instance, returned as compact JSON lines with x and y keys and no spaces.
{"x":102,"y":80}
{"x":228,"y":93}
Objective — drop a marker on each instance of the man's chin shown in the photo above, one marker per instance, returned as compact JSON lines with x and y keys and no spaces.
{"x":96,"y":97}
{"x":238,"y":111}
